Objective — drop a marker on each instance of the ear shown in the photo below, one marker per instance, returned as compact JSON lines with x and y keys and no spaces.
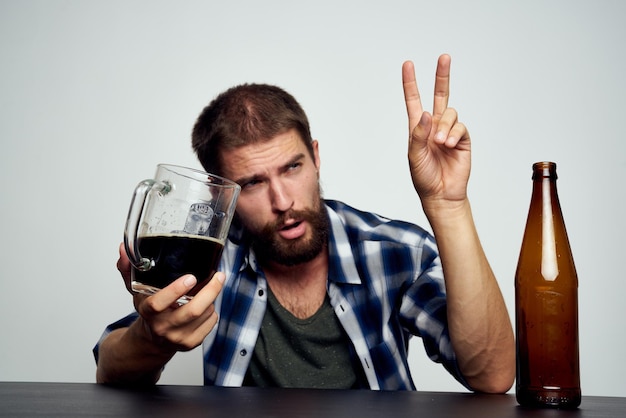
{"x":316,"y":155}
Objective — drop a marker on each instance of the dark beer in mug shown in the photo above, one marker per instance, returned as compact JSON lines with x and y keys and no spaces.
{"x":174,"y":255}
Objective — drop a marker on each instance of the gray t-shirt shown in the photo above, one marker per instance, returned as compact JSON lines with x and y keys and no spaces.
{"x":303,"y":353}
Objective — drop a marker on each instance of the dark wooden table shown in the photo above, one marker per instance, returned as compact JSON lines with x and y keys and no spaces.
{"x":23,"y":399}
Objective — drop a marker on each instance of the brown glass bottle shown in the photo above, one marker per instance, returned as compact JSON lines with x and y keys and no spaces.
{"x":546,"y":303}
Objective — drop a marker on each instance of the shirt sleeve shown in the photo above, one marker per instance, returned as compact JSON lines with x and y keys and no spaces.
{"x":122,"y":323}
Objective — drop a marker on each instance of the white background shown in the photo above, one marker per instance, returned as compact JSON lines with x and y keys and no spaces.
{"x":93,"y":94}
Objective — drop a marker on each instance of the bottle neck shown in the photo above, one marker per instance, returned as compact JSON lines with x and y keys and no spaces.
{"x":546,"y":209}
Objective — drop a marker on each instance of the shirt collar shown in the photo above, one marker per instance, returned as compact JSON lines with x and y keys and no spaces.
{"x":341,"y":264}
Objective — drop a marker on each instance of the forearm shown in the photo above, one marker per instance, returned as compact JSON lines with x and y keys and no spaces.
{"x":480,"y":328}
{"x":128,"y":357}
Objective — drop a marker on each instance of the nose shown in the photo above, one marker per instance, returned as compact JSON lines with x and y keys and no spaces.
{"x":280,"y":197}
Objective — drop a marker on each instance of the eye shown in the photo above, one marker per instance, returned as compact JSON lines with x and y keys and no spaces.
{"x":294,"y":166}
{"x":250,"y":184}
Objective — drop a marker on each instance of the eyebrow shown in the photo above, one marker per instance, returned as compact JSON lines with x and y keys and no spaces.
{"x":246,"y":179}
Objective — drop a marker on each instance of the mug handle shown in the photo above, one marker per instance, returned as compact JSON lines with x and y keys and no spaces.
{"x":135,"y":212}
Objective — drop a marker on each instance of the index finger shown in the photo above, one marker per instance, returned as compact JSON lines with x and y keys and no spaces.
{"x":169,"y":295}
{"x":442,"y":86}
{"x":412,"y":98}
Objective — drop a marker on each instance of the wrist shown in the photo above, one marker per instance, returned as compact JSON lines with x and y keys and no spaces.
{"x":444,"y":211}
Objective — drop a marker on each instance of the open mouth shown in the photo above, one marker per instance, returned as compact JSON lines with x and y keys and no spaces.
{"x":291,"y":226}
{"x":293,"y":230}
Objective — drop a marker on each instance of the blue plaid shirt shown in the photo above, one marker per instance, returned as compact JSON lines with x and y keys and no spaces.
{"x":385,"y":284}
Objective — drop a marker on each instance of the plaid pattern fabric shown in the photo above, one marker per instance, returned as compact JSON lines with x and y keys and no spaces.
{"x":385,"y":283}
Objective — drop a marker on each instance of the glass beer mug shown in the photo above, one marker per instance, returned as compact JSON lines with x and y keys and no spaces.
{"x":177,"y":224}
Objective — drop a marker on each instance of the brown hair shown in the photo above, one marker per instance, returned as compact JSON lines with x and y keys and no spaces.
{"x":243,"y":115}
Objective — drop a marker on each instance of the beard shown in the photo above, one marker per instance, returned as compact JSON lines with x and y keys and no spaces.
{"x":269,"y":246}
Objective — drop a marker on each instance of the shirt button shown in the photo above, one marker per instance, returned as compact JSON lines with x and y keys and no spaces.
{"x":243,"y":352}
{"x":261,"y":292}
